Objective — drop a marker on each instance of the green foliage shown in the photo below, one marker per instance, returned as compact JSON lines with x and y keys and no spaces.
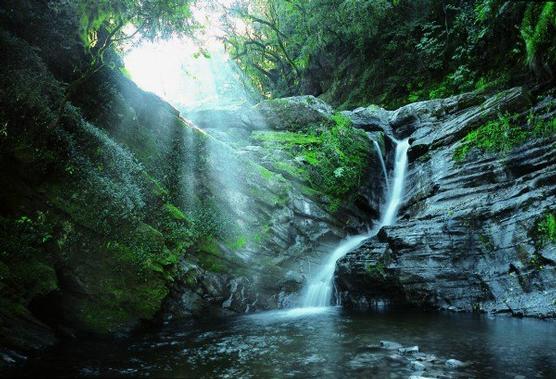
{"x":119,"y":293}
{"x":238,"y":243}
{"x":496,"y":136}
{"x":25,"y":269}
{"x":286,"y":138}
{"x":389,"y":52}
{"x":542,"y":127}
{"x":503,"y":134}
{"x":545,"y":230}
{"x":376,"y":271}
{"x":538,"y":30}
{"x":265,"y":173}
{"x":341,"y":120}
{"x":104,"y":21}
{"x":29,"y":91}
{"x":210,"y":256}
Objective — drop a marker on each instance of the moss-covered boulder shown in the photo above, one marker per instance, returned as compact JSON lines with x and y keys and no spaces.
{"x":294,"y":113}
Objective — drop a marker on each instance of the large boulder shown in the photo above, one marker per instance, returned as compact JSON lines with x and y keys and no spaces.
{"x":294,"y":113}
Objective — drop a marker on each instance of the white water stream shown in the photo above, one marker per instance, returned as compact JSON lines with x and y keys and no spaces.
{"x":319,"y":289}
{"x":382,"y":164}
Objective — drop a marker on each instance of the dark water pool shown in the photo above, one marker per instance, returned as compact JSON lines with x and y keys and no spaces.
{"x":318,"y":343}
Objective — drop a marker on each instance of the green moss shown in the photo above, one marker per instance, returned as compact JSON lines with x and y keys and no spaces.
{"x":285,"y":138}
{"x":265,"y":173}
{"x":376,"y":271}
{"x":159,"y":189}
{"x":293,"y":171}
{"x":36,"y":276}
{"x":538,"y":27}
{"x":210,"y":246}
{"x":334,"y":205}
{"x":311,"y":157}
{"x":175,"y":212}
{"x":487,"y":242}
{"x":496,"y":136}
{"x":238,"y":243}
{"x":119,"y":308}
{"x":262,"y":234}
{"x":543,"y":128}
{"x":210,"y":256}
{"x":310,"y":192}
{"x":263,"y":196}
{"x":191,"y":278}
{"x":102,"y":318}
{"x":503,"y":134}
{"x":492,"y":80}
{"x":331,"y":158}
{"x":341,"y":120}
{"x":121,"y":290}
{"x":150,"y":297}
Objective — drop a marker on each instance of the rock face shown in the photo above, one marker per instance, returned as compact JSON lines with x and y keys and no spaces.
{"x":467,"y":235}
{"x":267,"y":163}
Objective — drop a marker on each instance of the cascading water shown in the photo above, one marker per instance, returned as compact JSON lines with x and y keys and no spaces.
{"x":319,"y":289}
{"x":396,"y":193}
{"x":382,"y":164}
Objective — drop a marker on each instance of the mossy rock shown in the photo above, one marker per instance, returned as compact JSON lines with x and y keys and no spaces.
{"x":108,"y":290}
{"x":36,"y":276}
{"x":294,"y":113}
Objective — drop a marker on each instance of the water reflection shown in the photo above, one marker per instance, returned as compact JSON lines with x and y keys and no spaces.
{"x":314,"y":342}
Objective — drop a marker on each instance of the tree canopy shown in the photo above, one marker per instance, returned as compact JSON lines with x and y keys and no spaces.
{"x":103,"y":23}
{"x":390,"y":52}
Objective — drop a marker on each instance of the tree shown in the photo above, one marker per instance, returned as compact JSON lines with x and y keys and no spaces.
{"x":538,"y":30}
{"x":286,"y":38}
{"x":389,"y":52}
{"x":263,"y":50}
{"x":106,"y":24}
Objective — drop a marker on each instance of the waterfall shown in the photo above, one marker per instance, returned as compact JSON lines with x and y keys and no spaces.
{"x":319,"y":289}
{"x":396,"y":194}
{"x":382,"y":164}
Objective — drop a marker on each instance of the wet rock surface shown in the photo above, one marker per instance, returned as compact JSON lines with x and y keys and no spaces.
{"x":464,"y":239}
{"x":274,"y":198}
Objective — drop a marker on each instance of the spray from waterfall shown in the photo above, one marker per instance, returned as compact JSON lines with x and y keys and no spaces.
{"x":319,"y":289}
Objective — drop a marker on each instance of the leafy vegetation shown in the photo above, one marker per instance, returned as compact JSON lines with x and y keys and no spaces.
{"x":107,"y":24}
{"x":503,"y":134}
{"x":110,"y":189}
{"x":499,"y":135}
{"x":390,"y":52}
{"x":545,"y":229}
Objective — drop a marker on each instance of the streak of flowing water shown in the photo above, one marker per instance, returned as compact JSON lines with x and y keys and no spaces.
{"x":319,"y":289}
{"x":382,"y":164}
{"x":396,"y":194}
